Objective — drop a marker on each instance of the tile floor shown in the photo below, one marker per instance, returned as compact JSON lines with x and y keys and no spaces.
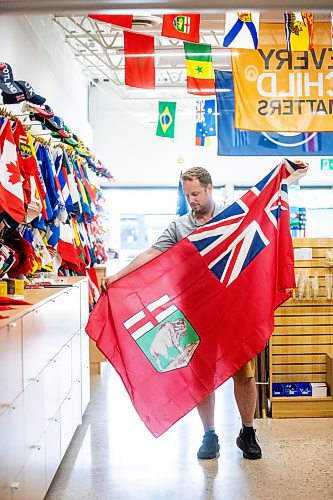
{"x":114,"y":457}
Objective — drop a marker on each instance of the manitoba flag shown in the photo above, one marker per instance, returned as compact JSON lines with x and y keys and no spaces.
{"x":180,"y":325}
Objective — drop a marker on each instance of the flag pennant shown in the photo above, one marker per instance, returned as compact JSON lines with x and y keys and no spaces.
{"x":205,"y":122}
{"x":123,"y":21}
{"x":139,"y":60}
{"x":182,"y":26}
{"x":166,"y":119}
{"x":179,"y":326}
{"x":237,"y":142}
{"x":241,"y":30}
{"x":199,"y":68}
{"x":299,"y":30}
{"x":182,"y":205}
{"x":11,"y":188}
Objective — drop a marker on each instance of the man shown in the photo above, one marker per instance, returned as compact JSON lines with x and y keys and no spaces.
{"x":197,"y":187}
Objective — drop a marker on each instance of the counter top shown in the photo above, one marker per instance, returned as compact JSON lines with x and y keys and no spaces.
{"x":37,"y":297}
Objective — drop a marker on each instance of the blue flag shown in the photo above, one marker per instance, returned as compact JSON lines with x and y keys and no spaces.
{"x":205,"y":121}
{"x":182,"y":206}
{"x":234,"y":142}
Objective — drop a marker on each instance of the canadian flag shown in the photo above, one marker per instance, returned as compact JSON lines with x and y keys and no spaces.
{"x":11,"y":188}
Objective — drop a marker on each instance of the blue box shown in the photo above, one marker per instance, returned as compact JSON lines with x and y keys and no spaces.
{"x":291,"y":389}
{"x":277,"y":389}
{"x":304,"y":389}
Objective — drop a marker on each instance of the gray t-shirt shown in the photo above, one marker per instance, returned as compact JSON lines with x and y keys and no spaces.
{"x":180,"y":228}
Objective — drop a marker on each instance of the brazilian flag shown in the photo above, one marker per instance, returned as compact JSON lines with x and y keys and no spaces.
{"x":166,"y":119}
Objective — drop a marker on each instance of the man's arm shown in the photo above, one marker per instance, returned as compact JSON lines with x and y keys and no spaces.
{"x":139,"y":260}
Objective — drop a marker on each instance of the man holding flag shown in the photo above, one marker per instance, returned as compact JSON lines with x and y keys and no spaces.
{"x":197,"y":186}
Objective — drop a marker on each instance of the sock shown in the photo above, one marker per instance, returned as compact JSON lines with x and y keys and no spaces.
{"x":210,"y":429}
{"x":247,"y":425}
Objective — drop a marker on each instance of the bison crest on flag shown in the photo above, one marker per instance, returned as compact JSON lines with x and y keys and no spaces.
{"x":164,"y":334}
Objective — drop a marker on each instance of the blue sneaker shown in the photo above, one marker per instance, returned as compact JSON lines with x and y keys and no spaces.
{"x":210,"y":447}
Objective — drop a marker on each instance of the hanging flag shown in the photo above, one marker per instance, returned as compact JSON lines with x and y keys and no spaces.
{"x":237,"y":142}
{"x":205,"y":122}
{"x":11,"y":189}
{"x":179,"y":326}
{"x":139,"y":60}
{"x":182,"y":205}
{"x":199,"y":68}
{"x":299,"y":30}
{"x":241,"y":30}
{"x":166,"y":119}
{"x":182,"y":26}
{"x":124,"y":21}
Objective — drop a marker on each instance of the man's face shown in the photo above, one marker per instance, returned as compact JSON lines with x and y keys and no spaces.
{"x":199,"y":197}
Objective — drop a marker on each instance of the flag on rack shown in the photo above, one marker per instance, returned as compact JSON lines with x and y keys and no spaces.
{"x":182,"y":26}
{"x":241,"y":30}
{"x":166,"y":119}
{"x":11,"y":189}
{"x":199,"y":68}
{"x":205,"y":122}
{"x":182,"y":205}
{"x":299,"y":30}
{"x":179,"y":326}
{"x":139,"y":60}
{"x":123,"y":21}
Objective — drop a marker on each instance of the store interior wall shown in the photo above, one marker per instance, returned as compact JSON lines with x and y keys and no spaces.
{"x":36,"y":51}
{"x":124,"y":137}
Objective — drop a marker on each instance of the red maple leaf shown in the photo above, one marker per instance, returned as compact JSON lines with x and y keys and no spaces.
{"x":15,"y":176}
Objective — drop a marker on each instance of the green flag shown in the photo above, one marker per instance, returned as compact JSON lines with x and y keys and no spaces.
{"x":166,"y":119}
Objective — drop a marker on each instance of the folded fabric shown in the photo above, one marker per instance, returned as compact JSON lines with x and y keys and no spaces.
{"x":14,"y":302}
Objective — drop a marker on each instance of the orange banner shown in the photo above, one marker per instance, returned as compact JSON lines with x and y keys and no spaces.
{"x":277,"y":90}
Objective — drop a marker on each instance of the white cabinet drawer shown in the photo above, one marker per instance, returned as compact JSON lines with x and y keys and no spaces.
{"x":34,"y":416}
{"x":10,"y":363}
{"x":84,"y":303}
{"x":12,"y":445}
{"x":52,"y":448}
{"x":34,"y":473}
{"x":65,"y":364}
{"x":51,"y":388}
{"x":85,"y":374}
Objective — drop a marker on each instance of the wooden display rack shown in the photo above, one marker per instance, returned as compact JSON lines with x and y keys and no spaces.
{"x":301,"y":348}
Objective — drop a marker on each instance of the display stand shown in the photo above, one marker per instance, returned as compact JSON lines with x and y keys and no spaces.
{"x":301,"y":347}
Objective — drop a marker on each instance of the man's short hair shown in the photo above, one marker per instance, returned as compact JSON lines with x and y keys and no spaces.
{"x":199,"y":173}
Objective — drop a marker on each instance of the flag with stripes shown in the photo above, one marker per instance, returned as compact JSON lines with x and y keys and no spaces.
{"x":179,"y":326}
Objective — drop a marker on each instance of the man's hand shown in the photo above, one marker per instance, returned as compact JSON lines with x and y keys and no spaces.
{"x":107,"y":281}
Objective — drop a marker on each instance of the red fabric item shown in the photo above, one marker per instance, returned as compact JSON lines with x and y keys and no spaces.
{"x":223,"y":281}
{"x":182,"y":26}
{"x":11,"y":189}
{"x":14,"y":302}
{"x":139,"y":67}
{"x":3,"y":317}
{"x":124,"y":21}
{"x":24,"y":253}
{"x":91,"y":271}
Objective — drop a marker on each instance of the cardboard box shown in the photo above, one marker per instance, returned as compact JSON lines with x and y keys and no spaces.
{"x":319,"y":389}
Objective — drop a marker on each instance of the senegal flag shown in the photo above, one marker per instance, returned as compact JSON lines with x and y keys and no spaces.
{"x":166,"y":119}
{"x":199,"y":69}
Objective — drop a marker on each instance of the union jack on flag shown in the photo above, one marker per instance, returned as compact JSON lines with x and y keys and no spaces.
{"x":231,"y":241}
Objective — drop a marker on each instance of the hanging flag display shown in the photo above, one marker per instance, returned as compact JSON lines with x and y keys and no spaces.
{"x":199,"y":68}
{"x":236,"y":142}
{"x":292,"y":93}
{"x":182,"y":26}
{"x":11,"y":188}
{"x":175,"y":335}
{"x":139,"y":60}
{"x":166,"y":119}
{"x":182,"y":205}
{"x":205,"y":122}
{"x":123,"y":21}
{"x":241,"y":30}
{"x":299,"y":30}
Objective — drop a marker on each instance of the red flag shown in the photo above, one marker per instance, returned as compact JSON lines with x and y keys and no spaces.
{"x":124,"y":21}
{"x":139,"y":60}
{"x":11,"y":189}
{"x":182,"y":324}
{"x":182,"y":26}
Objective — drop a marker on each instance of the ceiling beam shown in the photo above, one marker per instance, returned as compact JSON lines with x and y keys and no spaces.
{"x":154,"y":6}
